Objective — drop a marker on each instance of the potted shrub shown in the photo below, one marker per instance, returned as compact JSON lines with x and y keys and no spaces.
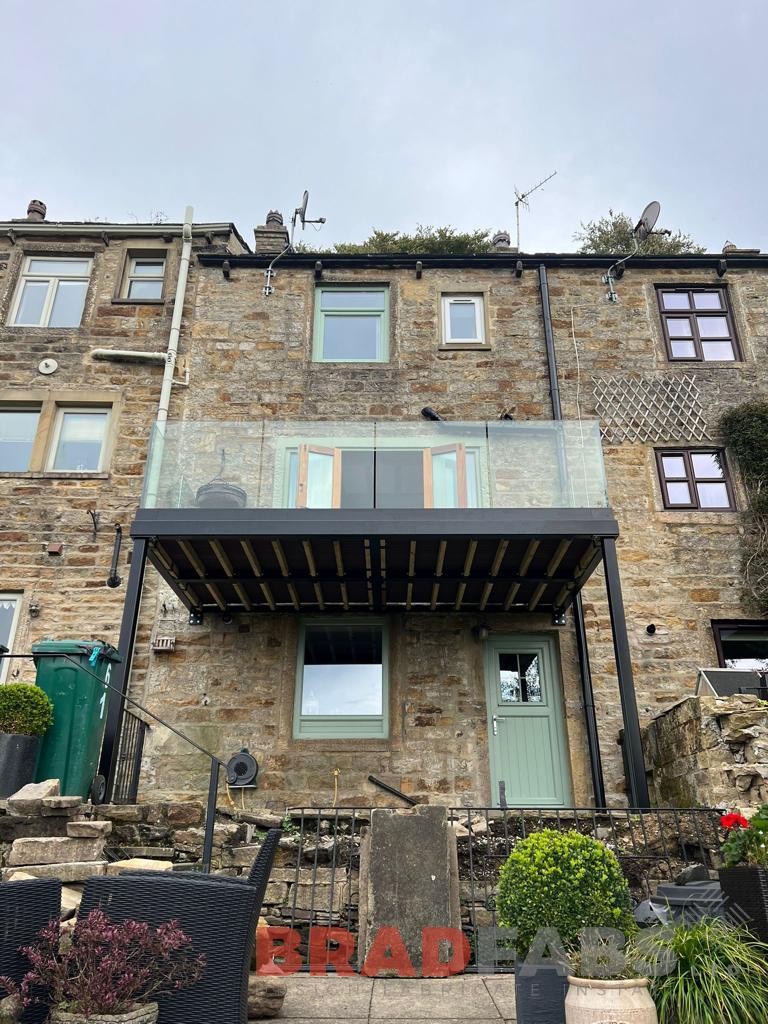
{"x":106,"y":973}
{"x":744,"y":879}
{"x":705,"y":973}
{"x":563,"y":882}
{"x":25,"y":714}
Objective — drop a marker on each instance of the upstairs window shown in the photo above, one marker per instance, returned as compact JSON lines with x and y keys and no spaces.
{"x":694,"y":478}
{"x":698,"y":324}
{"x":463,"y":320}
{"x":18,"y":430}
{"x":10,"y":605}
{"x":351,"y":325}
{"x":144,"y":278}
{"x":51,"y":292}
{"x":78,"y":440}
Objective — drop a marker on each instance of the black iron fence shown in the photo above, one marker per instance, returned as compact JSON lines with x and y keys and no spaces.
{"x":128,"y":767}
{"x":316,"y":879}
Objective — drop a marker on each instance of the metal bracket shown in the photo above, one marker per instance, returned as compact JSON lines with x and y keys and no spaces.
{"x":105,"y":238}
{"x":419,"y":268}
{"x":519,"y":269}
{"x":318,"y":270}
{"x":558,"y":618}
{"x":722,"y":267}
{"x":195,"y":617}
{"x":226,"y":269}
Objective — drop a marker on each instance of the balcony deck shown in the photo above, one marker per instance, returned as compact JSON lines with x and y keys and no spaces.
{"x":527,"y":511}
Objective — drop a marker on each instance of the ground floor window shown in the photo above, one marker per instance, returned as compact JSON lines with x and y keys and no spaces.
{"x":10,"y":604}
{"x":342,"y":680}
{"x":742,"y":645}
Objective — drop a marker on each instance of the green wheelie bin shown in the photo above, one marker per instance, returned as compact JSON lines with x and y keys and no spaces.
{"x":74,"y":674}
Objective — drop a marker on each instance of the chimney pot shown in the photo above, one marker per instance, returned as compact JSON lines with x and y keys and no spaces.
{"x":36,"y":210}
{"x":274,"y":217}
{"x":501,"y":240}
{"x":271,"y":237}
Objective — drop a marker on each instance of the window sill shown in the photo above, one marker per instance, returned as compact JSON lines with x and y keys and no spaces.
{"x":328,"y":744}
{"x":464,"y":346}
{"x":138,"y":302}
{"x":697,"y":516}
{"x":351,"y":362}
{"x":52,"y":475}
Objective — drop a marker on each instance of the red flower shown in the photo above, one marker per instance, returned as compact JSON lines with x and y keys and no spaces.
{"x":731,"y":821}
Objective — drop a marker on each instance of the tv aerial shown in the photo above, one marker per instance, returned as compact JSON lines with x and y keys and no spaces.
{"x":642,"y":230}
{"x":299,"y":214}
{"x":521,"y":199}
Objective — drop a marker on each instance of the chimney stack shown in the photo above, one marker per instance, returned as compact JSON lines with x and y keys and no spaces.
{"x":36,"y":210}
{"x":271,"y":237}
{"x":501,"y":242}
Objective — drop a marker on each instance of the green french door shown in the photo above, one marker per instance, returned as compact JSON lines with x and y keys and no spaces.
{"x":525,"y":721}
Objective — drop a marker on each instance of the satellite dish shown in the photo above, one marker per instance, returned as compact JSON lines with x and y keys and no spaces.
{"x":302,"y":210}
{"x":647,"y":221}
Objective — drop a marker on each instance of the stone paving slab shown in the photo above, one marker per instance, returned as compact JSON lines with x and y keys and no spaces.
{"x":501,"y":989}
{"x":461,"y":998}
{"x":327,"y":998}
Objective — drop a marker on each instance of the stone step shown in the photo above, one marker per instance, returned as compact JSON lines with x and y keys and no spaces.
{"x":54,"y":850}
{"x":73,"y":872}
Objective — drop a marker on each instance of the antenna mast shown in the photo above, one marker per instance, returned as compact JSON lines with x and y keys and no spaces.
{"x":522,"y":200}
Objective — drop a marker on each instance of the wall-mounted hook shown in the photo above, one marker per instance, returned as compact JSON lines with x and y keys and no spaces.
{"x":95,"y":517}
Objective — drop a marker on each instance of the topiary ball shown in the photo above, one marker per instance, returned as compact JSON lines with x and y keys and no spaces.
{"x":24,"y":710}
{"x":562,"y":880}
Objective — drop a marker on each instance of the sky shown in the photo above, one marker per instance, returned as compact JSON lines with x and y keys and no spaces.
{"x":391,"y":114}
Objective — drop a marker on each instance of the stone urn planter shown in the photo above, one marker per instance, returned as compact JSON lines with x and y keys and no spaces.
{"x":596,"y":1000}
{"x":146,"y":1014}
{"x":18,"y":758}
{"x":745,"y":889}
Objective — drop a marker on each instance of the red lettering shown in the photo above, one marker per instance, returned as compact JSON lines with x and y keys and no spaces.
{"x":277,"y":943}
{"x":431,"y":941}
{"x":321,"y":953}
{"x":388,"y":953}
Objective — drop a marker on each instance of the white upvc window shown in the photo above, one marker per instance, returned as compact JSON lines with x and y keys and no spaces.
{"x":51,"y":292}
{"x":463,"y":319}
{"x":10,"y":606}
{"x":79,"y":439}
{"x":145,"y":278}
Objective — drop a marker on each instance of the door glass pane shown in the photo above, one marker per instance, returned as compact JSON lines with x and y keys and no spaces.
{"x":351,"y":337}
{"x":743,"y":647}
{"x":707,"y":300}
{"x":68,"y":304}
{"x":706,"y":464}
{"x":713,"y":495}
{"x":356,"y":299}
{"x":357,"y":475}
{"x":462,"y":318}
{"x":472,"y":484}
{"x":145,"y":289}
{"x":678,"y":493}
{"x":399,"y":479}
{"x":320,"y":480}
{"x":679,"y":328}
{"x":343,"y":671}
{"x":17,"y":435}
{"x":80,"y":441}
{"x":675,"y":300}
{"x":445,"y":484}
{"x":293,"y":478}
{"x":674,"y":465}
{"x":30,"y":309}
{"x":65,"y":268}
{"x":718,"y":350}
{"x":713,"y":326}
{"x":519,"y":679}
{"x":683,"y":349}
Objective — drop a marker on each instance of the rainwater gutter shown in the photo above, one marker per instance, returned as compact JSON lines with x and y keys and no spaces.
{"x":587,"y":690}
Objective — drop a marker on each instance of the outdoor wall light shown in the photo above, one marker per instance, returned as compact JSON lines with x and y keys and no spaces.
{"x":429,"y":414}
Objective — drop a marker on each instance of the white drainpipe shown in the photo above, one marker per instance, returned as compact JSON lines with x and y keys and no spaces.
{"x":158,"y":436}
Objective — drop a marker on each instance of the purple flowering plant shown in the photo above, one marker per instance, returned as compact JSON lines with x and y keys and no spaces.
{"x":105,"y":967}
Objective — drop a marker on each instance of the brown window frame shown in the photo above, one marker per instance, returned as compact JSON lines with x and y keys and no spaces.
{"x":690,"y":315}
{"x":692,"y":480}
{"x":718,"y":625}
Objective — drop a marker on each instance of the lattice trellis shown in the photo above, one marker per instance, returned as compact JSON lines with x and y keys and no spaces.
{"x":663,"y":408}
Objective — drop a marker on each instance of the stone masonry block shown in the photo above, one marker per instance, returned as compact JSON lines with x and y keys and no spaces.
{"x":54,"y":851}
{"x":77,"y":872}
{"x":29,"y":798}
{"x":88,"y":829}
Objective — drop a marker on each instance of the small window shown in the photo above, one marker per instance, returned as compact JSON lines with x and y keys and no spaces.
{"x":694,"y":478}
{"x":742,"y":645}
{"x":145,"y":278}
{"x":10,"y":605}
{"x":698,"y":324}
{"x":342,"y":684}
{"x":18,"y":430}
{"x":78,"y":440}
{"x":51,"y":292}
{"x":463,"y":320}
{"x":351,"y":325}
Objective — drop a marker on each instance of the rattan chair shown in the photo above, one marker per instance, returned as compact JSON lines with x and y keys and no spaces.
{"x":219,"y":917}
{"x":25,"y":908}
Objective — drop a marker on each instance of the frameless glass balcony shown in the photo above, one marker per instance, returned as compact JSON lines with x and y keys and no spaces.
{"x":317,"y":464}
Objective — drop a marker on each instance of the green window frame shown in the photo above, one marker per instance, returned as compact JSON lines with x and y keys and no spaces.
{"x":366,"y":302}
{"x":341,"y":727}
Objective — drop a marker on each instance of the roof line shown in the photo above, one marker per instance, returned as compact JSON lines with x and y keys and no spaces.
{"x":30,"y":229}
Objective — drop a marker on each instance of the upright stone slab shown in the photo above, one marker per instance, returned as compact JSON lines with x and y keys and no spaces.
{"x":408,"y":877}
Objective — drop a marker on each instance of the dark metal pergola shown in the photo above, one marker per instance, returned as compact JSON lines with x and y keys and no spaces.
{"x":342,"y":561}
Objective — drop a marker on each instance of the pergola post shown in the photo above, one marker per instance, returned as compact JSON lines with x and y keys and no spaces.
{"x":637,"y":783}
{"x":122,"y":672}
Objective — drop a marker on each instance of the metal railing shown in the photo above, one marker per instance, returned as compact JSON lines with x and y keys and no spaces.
{"x":125,"y":787}
{"x":652,"y":846}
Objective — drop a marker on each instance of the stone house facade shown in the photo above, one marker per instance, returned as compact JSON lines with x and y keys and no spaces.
{"x":302,"y":620}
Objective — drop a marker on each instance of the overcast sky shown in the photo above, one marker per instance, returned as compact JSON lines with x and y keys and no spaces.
{"x":391,"y":114}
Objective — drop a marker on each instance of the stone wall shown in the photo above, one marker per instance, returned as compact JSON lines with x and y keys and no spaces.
{"x":710,"y":752}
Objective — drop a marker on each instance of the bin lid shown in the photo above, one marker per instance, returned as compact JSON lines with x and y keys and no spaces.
{"x":693,"y":893}
{"x":75,"y":647}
